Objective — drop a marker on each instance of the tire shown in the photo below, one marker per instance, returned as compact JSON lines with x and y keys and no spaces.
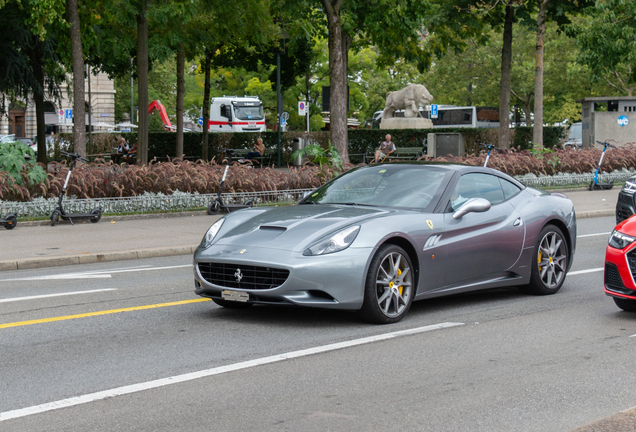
{"x":214,"y":207}
{"x":390,"y":286}
{"x":549,"y":264}
{"x":628,"y":305}
{"x":232,"y":304}
{"x":55,"y":216}
{"x":11,"y":222}
{"x":97,"y":212}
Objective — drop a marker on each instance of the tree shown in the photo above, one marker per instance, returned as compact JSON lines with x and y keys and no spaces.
{"x":607,"y":42}
{"x":30,"y":64}
{"x":79,"y":104}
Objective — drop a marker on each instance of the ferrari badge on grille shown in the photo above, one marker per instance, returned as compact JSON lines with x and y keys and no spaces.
{"x":238,"y":275}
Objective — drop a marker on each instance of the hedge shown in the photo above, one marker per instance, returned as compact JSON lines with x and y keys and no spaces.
{"x":163,"y":144}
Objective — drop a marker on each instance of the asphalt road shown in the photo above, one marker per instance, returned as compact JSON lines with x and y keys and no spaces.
{"x":117,"y":346}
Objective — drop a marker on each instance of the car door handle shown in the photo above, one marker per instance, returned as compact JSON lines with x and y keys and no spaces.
{"x":518,"y":222}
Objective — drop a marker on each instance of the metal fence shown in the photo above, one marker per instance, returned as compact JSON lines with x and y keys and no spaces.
{"x":147,"y":203}
{"x":573,"y":180}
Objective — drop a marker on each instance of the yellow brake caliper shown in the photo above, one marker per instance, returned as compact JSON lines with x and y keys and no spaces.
{"x":400,"y":289}
{"x":539,"y":261}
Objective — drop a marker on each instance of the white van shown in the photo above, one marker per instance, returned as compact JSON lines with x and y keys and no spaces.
{"x":236,"y":114}
{"x":575,"y":137}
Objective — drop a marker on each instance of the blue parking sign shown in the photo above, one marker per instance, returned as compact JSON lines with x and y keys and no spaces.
{"x":69,"y":114}
{"x":434,"y":111}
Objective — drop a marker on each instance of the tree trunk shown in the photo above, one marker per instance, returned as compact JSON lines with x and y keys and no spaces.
{"x":180,"y":93}
{"x":38,"y":98}
{"x":337,"y":78}
{"x":142,"y":82}
{"x":79,"y":102}
{"x":504,"y":85}
{"x":206,"y":103}
{"x":537,"y":133}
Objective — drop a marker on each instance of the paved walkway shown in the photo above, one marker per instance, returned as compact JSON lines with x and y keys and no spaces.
{"x":34,"y":245}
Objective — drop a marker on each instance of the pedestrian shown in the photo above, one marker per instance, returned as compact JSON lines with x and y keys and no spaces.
{"x":386,"y":148}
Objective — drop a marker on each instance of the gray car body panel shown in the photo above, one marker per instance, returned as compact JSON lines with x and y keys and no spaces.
{"x":479,"y":251}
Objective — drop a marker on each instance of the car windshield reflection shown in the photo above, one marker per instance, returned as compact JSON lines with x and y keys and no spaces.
{"x":383,"y":186}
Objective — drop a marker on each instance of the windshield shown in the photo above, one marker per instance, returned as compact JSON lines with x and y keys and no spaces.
{"x":384,"y":186}
{"x":249,"y":112}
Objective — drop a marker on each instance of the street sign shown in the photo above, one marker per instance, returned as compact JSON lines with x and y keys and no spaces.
{"x":623,"y":121}
{"x":200,"y":121}
{"x":60,"y":116}
{"x":282,"y":121}
{"x":285,"y":116}
{"x":302,"y":108}
{"x":434,"y":111}
{"x":69,"y":116}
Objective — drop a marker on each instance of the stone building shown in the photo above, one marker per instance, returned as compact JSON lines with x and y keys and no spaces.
{"x":21,"y":121}
{"x":608,"y":118}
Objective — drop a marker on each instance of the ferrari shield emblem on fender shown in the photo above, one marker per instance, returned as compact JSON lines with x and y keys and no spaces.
{"x":429,"y":223}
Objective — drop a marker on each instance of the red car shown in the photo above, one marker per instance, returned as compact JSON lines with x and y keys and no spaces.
{"x":620,"y":265}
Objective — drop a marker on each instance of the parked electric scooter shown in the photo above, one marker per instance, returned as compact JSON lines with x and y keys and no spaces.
{"x":594,"y":184}
{"x":218,"y":204}
{"x":94,"y":216}
{"x":489,"y":147}
{"x":9,"y":221}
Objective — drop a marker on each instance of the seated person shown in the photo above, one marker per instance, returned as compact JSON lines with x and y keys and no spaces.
{"x":386,"y":148}
{"x":124,"y":152}
{"x":259,"y":151}
{"x":131,"y":154}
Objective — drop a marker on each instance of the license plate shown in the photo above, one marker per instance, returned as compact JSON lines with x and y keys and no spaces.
{"x":235,"y":296}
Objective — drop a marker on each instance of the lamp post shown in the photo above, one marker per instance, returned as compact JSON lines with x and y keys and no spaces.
{"x":279,"y":101}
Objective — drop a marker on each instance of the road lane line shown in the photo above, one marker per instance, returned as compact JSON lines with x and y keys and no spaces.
{"x":93,"y":274}
{"x":592,"y":235}
{"x":98,"y":313}
{"x":134,"y":388}
{"x":594,"y":270}
{"x":7,"y":300}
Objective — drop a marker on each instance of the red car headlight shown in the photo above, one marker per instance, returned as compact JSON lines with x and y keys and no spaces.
{"x":619,"y":240}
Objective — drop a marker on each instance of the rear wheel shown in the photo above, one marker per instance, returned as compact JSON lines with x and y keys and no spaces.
{"x":628,"y":305}
{"x":232,"y":304}
{"x":97,"y":218}
{"x":550,"y":263}
{"x":11,"y":222}
{"x":389,"y":288}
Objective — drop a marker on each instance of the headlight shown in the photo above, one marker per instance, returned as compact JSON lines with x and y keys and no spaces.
{"x":337,"y":242}
{"x":619,"y":240}
{"x":212,"y":231}
{"x":629,"y":188}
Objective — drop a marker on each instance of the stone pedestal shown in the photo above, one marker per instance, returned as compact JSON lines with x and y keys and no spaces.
{"x":406,"y":123}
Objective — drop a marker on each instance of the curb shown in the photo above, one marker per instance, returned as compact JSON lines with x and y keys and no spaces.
{"x":595,"y":213}
{"x":623,"y":421}
{"x":90,"y":258}
{"x":46,"y":222}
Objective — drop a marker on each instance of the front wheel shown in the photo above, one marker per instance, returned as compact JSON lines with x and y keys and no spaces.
{"x":214,"y":207}
{"x":625,"y":304}
{"x":550,"y":263}
{"x":11,"y":222}
{"x":389,"y":288}
{"x":97,"y":217}
{"x":55,"y":216}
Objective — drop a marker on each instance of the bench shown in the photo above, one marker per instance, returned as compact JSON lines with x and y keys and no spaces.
{"x":264,"y":160}
{"x":407,"y":153}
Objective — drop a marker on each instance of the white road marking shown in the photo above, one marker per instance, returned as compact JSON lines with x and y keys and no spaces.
{"x":14,"y":299}
{"x":592,"y":235}
{"x":594,"y":270}
{"x":134,"y":388}
{"x":103,"y":274}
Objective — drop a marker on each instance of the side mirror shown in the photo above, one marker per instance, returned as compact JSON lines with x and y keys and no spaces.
{"x":473,"y":205}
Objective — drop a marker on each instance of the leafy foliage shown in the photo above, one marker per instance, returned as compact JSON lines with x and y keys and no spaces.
{"x":13,"y":160}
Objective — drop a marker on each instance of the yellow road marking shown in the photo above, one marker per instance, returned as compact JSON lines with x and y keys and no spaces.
{"x":106,"y":312}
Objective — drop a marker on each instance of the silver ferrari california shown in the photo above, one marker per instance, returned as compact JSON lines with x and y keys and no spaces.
{"x":377,"y":238}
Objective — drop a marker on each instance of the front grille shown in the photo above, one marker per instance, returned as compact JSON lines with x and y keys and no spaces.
{"x":631,"y":260}
{"x":613,"y":278}
{"x":252,"y":277}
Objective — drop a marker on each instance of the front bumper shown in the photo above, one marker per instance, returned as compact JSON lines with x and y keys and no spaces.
{"x":334,"y":281}
{"x":620,"y":267}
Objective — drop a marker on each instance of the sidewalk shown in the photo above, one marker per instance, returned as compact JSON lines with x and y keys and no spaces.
{"x":35,"y":245}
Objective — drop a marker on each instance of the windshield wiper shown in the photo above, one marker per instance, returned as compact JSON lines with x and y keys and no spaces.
{"x":308,"y":202}
{"x":355,"y":204}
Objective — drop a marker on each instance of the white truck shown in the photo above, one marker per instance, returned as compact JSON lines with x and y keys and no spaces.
{"x":236,"y":114}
